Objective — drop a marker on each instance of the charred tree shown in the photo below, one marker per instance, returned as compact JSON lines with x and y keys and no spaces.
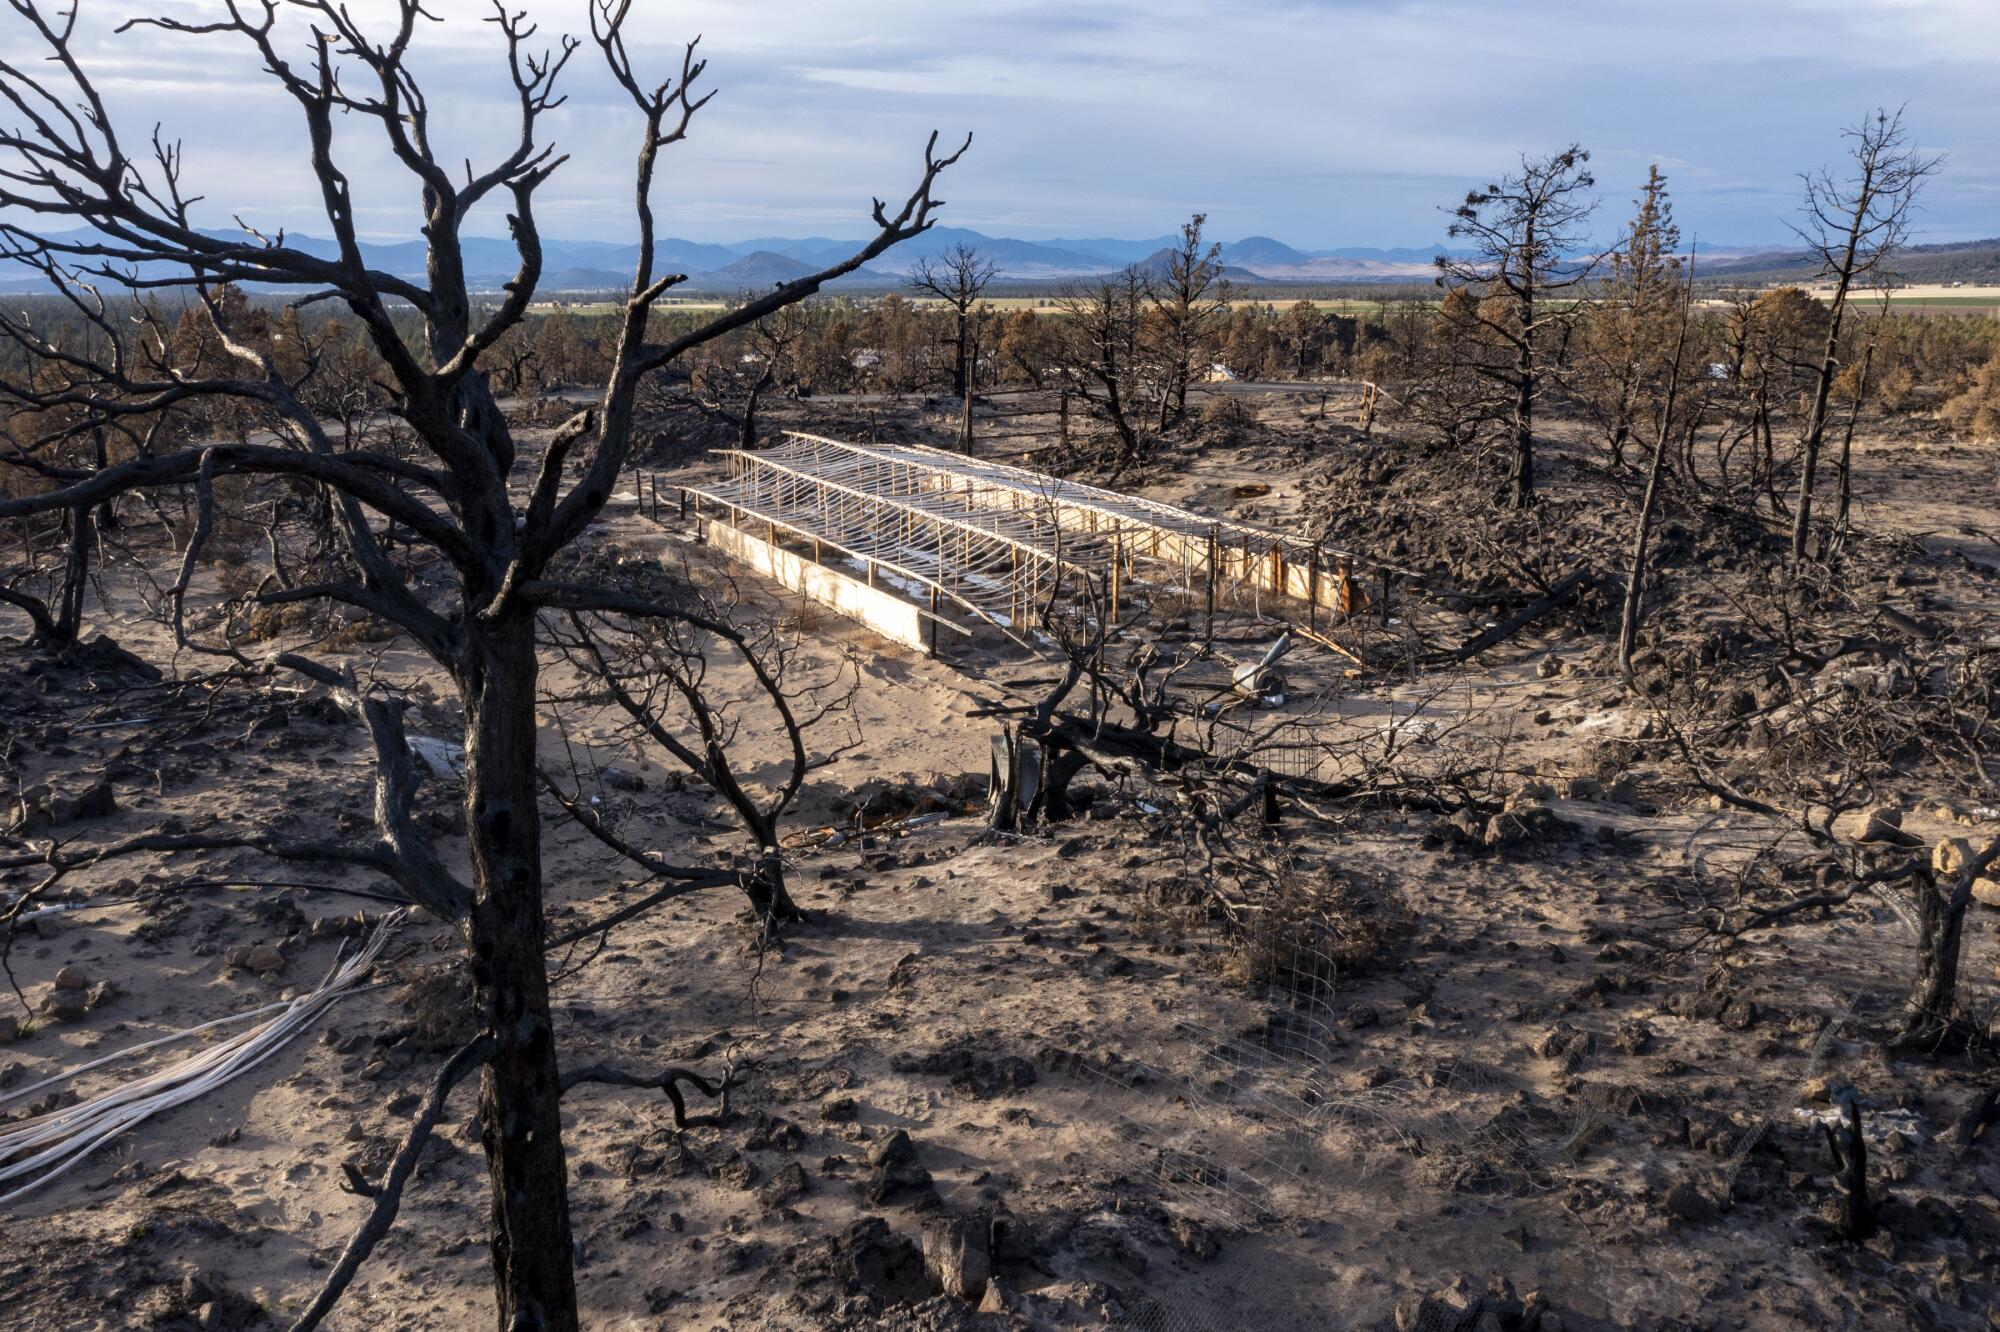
{"x":1852,"y":228}
{"x":1189,"y":299}
{"x":1633,"y":608}
{"x":957,"y":278}
{"x":105,"y":217}
{"x":1103,"y":362}
{"x":1524,"y":234}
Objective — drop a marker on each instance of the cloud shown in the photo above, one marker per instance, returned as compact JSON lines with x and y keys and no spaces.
{"x":1321,"y":121}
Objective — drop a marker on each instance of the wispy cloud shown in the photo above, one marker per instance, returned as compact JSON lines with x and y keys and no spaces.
{"x":1321,"y":121}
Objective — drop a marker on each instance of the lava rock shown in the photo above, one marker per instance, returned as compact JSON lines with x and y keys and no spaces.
{"x":896,"y":1172}
{"x":264,"y":959}
{"x":788,"y":1185}
{"x":958,"y":1255}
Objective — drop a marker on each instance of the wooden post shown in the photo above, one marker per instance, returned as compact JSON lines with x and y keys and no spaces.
{"x":1014,"y":586}
{"x":934,"y":628}
{"x":1214,"y":553}
{"x":1117,"y":557}
{"x":1312,"y":591}
{"x":684,"y":504}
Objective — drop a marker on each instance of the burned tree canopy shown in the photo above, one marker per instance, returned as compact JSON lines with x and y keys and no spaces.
{"x":106,"y":219}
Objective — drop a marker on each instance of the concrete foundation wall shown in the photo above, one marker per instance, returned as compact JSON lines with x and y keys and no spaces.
{"x":889,"y":616}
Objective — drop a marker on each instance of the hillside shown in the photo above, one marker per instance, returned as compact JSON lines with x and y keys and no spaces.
{"x":1973,"y":262}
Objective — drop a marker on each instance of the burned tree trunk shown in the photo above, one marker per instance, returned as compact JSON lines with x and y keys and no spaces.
{"x":56,"y":626}
{"x":747,"y":439}
{"x":75,"y":577}
{"x":1844,"y":491}
{"x":1521,"y":458}
{"x":965,"y":418}
{"x":1940,"y":937}
{"x":1933,"y":1008}
{"x":520,"y":1097}
{"x":1849,"y":1151}
{"x":1635,"y":584}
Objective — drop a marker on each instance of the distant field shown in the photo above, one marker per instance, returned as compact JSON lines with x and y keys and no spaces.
{"x":588,"y":308}
{"x":1921,"y":296}
{"x":1950,"y":302}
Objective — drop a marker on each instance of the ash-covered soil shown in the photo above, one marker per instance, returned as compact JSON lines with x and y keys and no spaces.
{"x":1519,"y":1086}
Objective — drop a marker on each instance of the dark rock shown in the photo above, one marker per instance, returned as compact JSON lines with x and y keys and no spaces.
{"x":898,"y":1148}
{"x":774,"y":1134}
{"x":896,"y":1172}
{"x":958,"y":1254}
{"x":971,"y":1073}
{"x":1425,"y":1313}
{"x":1524,"y":824}
{"x":732,"y":1167}
{"x":1685,"y":1201}
{"x":1108,"y":1244}
{"x":870,"y":1260}
{"x":1739,"y":1014}
{"x":789,"y":1184}
{"x":1565,"y":1044}
{"x":1632,"y":1037}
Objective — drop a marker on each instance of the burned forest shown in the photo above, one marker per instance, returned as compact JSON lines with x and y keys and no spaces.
{"x":874,"y":792}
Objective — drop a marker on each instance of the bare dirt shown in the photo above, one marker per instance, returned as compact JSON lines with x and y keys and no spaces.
{"x":1530,"y":1092}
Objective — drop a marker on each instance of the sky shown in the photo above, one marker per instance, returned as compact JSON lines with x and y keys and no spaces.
{"x":1320,"y":122}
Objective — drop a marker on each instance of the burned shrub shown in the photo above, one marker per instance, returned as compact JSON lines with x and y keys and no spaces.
{"x":1311,"y":931}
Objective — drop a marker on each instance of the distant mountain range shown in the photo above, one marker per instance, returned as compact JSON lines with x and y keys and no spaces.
{"x":596,"y":266}
{"x":584,"y":266}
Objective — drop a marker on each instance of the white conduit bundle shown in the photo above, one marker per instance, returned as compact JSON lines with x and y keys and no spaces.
{"x":48,"y":1146}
